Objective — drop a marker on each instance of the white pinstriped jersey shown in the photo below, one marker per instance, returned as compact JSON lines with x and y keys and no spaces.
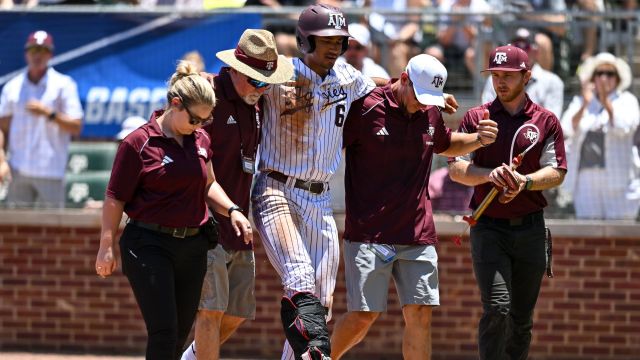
{"x":304,"y":120}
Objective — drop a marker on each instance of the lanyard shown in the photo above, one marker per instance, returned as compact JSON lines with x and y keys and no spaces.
{"x":257,"y":135}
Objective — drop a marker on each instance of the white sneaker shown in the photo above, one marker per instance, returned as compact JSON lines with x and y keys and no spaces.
{"x":190,"y":352}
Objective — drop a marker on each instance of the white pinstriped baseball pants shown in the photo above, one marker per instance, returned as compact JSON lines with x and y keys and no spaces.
{"x":300,"y":237}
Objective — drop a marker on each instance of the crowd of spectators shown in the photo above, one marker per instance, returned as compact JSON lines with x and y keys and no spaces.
{"x":599,"y":138}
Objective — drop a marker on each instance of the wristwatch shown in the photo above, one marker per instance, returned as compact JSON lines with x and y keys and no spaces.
{"x":52,"y":116}
{"x":529,"y":183}
{"x":234,"y":208}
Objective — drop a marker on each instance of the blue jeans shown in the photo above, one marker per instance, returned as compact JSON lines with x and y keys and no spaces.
{"x":508,"y":262}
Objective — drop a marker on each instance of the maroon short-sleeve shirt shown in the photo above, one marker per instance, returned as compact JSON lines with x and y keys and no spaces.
{"x":548,"y":151}
{"x":235,"y":130}
{"x":388,"y":162}
{"x":160,"y":181}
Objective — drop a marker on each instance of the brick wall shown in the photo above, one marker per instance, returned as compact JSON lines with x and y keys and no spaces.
{"x":51,"y":299}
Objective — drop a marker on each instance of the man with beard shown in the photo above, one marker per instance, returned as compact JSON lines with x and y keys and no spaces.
{"x":508,"y":242}
{"x":228,"y":296}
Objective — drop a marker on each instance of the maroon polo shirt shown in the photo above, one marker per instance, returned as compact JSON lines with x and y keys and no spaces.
{"x":388,"y":163}
{"x":236,"y":127}
{"x":160,"y":181}
{"x":548,"y":151}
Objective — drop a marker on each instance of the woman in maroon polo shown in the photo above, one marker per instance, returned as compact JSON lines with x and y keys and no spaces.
{"x":161,"y":176}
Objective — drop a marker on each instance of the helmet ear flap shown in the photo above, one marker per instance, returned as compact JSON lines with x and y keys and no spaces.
{"x":312,"y":43}
{"x":345,"y":44}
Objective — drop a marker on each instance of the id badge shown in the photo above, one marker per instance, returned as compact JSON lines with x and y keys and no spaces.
{"x":385,"y":252}
{"x":248,"y":164}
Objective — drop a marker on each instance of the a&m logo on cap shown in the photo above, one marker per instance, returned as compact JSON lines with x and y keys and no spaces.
{"x":523,"y":65}
{"x":531,"y":136}
{"x":40,"y":37}
{"x":437,"y":81}
{"x":337,"y":20}
{"x":500,"y":58}
{"x":269,"y":65}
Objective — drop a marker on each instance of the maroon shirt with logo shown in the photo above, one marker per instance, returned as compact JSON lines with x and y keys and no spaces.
{"x":548,"y":151}
{"x":236,"y":126}
{"x":160,"y":181}
{"x":387,"y":170}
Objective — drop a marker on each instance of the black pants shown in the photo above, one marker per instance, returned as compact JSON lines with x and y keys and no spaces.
{"x":509,"y":262}
{"x":166,"y":275}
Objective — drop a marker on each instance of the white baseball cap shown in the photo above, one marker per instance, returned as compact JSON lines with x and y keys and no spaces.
{"x":428,"y":76}
{"x":129,"y":124}
{"x":360,"y":33}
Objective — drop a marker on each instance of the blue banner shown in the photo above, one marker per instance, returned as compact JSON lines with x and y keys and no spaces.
{"x":121,"y":62}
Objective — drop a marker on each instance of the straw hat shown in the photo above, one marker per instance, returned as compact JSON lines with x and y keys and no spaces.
{"x":585,"y":72}
{"x":256,"y":56}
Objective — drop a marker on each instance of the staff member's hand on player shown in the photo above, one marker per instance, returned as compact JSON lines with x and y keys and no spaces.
{"x":242,"y":226}
{"x":450,"y":104}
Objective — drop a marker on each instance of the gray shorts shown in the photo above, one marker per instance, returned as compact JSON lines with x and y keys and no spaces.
{"x":229,"y":285}
{"x":414,"y":270}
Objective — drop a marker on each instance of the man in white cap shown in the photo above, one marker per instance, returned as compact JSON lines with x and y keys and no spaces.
{"x":39,"y":110}
{"x":390,"y":137}
{"x":357,"y":53}
{"x":228,"y":296}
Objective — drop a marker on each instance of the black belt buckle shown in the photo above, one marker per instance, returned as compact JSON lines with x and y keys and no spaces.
{"x":180,"y":233}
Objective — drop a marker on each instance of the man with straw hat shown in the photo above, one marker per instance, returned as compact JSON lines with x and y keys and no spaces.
{"x":228,"y":297}
{"x":600,"y":123}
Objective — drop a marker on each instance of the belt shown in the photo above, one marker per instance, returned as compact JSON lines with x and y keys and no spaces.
{"x":528,"y":219}
{"x":314,"y":187}
{"x":180,"y":232}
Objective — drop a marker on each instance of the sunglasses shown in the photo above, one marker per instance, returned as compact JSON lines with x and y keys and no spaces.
{"x":257,"y":84}
{"x":357,"y":47}
{"x":194,"y":120}
{"x":607,"y":73}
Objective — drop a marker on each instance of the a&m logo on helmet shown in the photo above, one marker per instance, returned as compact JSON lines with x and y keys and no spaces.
{"x":531,"y":135}
{"x":337,"y":20}
{"x":500,"y":58}
{"x":437,"y":81}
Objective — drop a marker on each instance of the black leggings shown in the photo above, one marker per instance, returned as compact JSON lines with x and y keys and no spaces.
{"x":166,"y":275}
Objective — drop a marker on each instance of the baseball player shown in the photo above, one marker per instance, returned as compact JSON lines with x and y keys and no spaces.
{"x":228,"y":296}
{"x":301,"y":149}
{"x":390,"y":138}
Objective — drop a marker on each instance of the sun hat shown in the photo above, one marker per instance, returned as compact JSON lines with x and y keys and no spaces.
{"x":508,"y":58}
{"x":585,"y":71}
{"x":256,"y":56}
{"x":428,"y":76}
{"x":129,"y":124}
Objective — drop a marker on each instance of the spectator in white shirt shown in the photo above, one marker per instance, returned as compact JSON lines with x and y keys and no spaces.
{"x":357,"y":53}
{"x":40,"y":111}
{"x":601,"y":123}
{"x":545,"y":88}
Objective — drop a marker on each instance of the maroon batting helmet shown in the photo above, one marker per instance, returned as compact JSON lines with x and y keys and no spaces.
{"x":320,"y":20}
